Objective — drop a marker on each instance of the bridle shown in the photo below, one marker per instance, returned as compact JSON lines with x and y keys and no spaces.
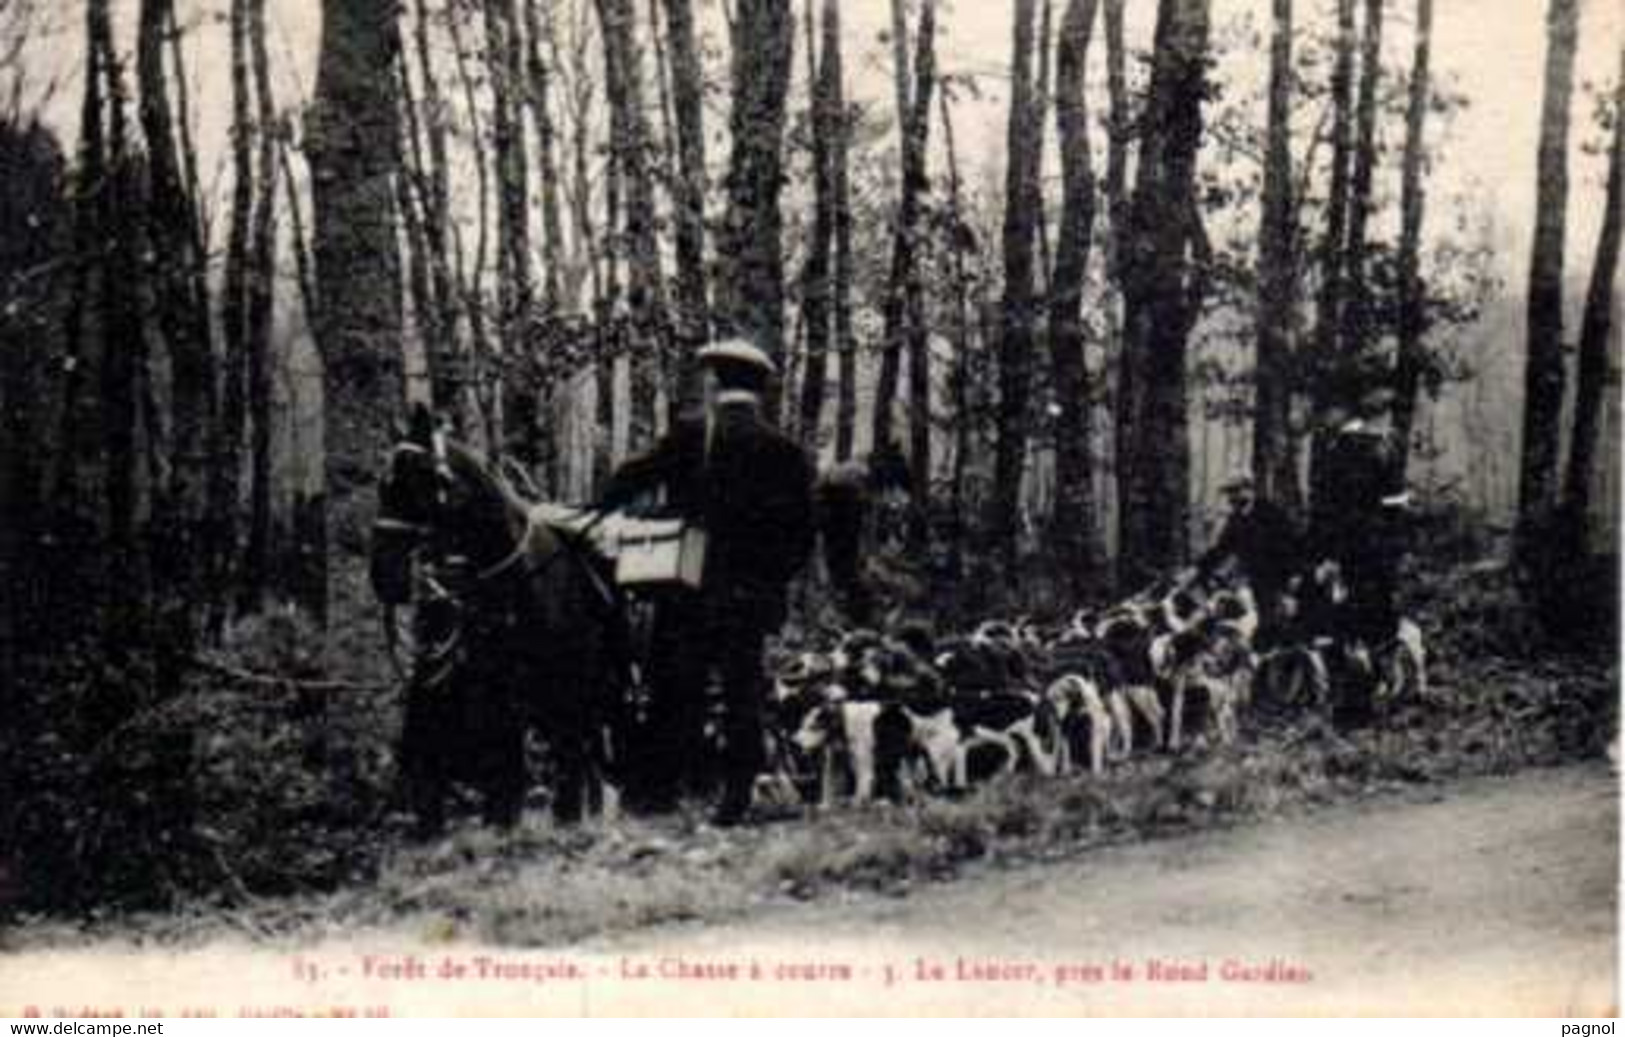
{"x":441,"y":657}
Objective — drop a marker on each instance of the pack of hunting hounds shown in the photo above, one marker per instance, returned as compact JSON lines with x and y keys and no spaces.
{"x":1178,"y":666}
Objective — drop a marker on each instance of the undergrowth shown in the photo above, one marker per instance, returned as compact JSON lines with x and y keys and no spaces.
{"x":256,"y":808}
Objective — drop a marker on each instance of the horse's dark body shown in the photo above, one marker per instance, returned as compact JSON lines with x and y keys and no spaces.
{"x":536,"y":639}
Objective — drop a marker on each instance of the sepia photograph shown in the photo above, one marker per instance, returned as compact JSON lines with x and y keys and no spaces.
{"x":792,"y":508}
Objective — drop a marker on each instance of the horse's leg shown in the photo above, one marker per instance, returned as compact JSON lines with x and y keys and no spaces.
{"x":501,"y":745}
{"x":422,"y":762}
{"x":569,"y":729}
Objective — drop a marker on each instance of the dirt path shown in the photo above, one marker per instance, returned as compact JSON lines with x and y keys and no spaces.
{"x":1497,"y":896}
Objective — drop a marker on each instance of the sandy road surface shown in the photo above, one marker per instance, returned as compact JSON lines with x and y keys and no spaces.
{"x":1495,"y":896}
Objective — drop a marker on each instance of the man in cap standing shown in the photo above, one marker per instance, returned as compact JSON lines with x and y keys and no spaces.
{"x":750,"y":488}
{"x":1357,"y":510}
{"x":1263,"y":542}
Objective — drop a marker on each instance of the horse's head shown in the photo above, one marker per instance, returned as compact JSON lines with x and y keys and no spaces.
{"x":434,"y":499}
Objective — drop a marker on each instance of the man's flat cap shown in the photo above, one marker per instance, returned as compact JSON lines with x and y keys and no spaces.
{"x":737,"y":352}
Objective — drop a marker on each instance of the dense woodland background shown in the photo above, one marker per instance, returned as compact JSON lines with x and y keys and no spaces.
{"x":226,"y":264}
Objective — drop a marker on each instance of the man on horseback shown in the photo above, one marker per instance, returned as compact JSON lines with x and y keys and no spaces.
{"x":750,"y":488}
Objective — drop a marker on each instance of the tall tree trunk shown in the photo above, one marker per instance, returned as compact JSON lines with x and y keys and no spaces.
{"x":470,"y":382}
{"x":1017,"y":311}
{"x":182,"y":313}
{"x":911,"y":144}
{"x":226,"y":491}
{"x":124,"y":361}
{"x":815,"y":274}
{"x":1074,"y":480}
{"x":434,"y":197}
{"x":629,"y":135}
{"x":959,"y":378}
{"x":1117,"y":121}
{"x":688,"y":195}
{"x":1412,"y":197}
{"x":918,"y":334}
{"x":1544,"y":375}
{"x":539,"y":95}
{"x":261,"y":314}
{"x":1116,"y":374}
{"x":504,"y":49}
{"x":1164,"y":280}
{"x":1595,"y":328}
{"x":1357,"y":329}
{"x":1035,"y":168}
{"x":1274,"y":462}
{"x":89,"y":182}
{"x":354,"y":140}
{"x":846,"y":350}
{"x":1330,"y":302}
{"x":750,"y":292}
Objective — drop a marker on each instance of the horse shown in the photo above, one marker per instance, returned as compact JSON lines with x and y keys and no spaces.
{"x":518,"y":629}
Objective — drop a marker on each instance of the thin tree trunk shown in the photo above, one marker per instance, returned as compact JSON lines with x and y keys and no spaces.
{"x":1074,"y":489}
{"x":918,"y":334}
{"x":1544,"y":375}
{"x":228,"y":463}
{"x":1046,"y":44}
{"x":1016,"y":331}
{"x":1330,"y":302}
{"x":688,"y":196}
{"x":471,"y":283}
{"x":354,"y":141}
{"x":1595,"y":332}
{"x":261,"y":314}
{"x":1274,"y":468}
{"x":959,"y":379}
{"x":441,"y":330}
{"x":1357,"y":330}
{"x":815,"y":275}
{"x":183,"y":316}
{"x":539,"y":95}
{"x":896,"y":315}
{"x":1408,"y":363}
{"x":124,"y":359}
{"x":846,"y":404}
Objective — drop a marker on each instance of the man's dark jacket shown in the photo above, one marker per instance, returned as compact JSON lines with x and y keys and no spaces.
{"x":1265,"y":543}
{"x":751,"y":492}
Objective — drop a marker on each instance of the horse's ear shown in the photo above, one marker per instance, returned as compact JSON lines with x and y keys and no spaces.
{"x":420,"y":425}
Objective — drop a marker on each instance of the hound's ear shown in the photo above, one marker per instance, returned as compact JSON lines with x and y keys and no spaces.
{"x":420,"y":425}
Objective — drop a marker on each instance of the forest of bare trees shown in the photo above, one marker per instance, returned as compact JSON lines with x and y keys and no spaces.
{"x":226,"y":265}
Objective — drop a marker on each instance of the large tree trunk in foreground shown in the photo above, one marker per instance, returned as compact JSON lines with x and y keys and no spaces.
{"x":183,"y":316}
{"x":1016,"y":331}
{"x":1412,"y":292}
{"x":1274,"y":462}
{"x":750,"y":289}
{"x":688,"y":193}
{"x":1164,"y":283}
{"x":354,"y":153}
{"x":1595,"y":333}
{"x":1074,"y":480}
{"x":1544,"y":375}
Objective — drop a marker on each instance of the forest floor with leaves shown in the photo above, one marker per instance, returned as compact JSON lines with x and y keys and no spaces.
{"x":295,"y":839}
